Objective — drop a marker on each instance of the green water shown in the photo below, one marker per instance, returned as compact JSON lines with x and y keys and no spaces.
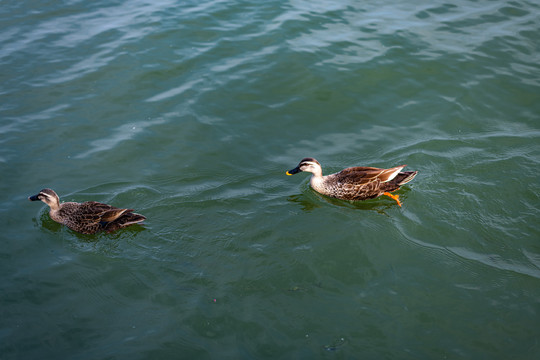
{"x":190,"y":112}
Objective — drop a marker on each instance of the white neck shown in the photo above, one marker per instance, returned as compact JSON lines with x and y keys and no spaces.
{"x":317,"y":181}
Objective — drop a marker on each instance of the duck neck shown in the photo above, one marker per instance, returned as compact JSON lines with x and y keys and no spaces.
{"x":317,"y":180}
{"x":54,"y":205}
{"x":54,"y":215}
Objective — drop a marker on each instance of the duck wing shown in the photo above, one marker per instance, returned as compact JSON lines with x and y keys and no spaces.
{"x":360,"y":182}
{"x":100,"y":212}
{"x":363,"y":175}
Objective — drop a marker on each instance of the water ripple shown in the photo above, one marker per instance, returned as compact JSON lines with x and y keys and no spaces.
{"x":121,"y":133}
{"x":497,"y":262}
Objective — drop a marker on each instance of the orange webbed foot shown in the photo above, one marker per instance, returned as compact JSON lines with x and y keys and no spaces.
{"x":395,"y":197}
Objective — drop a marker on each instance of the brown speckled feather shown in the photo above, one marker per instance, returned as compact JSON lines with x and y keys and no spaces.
{"x":360,"y":175}
{"x":354,"y":183}
{"x":88,"y":217}
{"x":360,"y":183}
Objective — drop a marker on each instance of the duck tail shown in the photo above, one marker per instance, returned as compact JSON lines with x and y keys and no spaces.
{"x":405,"y":177}
{"x":124,"y":221}
{"x":130,"y":219}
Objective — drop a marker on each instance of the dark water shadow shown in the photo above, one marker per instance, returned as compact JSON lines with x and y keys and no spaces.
{"x":44,"y":221}
{"x":311,"y":200}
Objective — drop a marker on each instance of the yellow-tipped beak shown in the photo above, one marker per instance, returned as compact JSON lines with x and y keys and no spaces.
{"x":296,"y":170}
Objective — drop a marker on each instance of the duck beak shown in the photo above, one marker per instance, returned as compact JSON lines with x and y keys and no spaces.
{"x":296,"y":170}
{"x":34,"y":198}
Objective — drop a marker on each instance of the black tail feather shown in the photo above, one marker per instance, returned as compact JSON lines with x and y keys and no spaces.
{"x":404,"y":177}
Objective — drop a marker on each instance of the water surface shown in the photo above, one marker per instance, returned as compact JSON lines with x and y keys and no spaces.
{"x":190,"y":112}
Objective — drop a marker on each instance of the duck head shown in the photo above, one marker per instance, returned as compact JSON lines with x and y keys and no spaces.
{"x":307,"y":164}
{"x":49,"y":197}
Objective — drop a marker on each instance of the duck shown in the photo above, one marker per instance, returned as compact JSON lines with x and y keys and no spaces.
{"x":88,"y":217}
{"x":355,"y":183}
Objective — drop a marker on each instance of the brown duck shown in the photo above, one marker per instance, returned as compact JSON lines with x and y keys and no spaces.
{"x":355,"y":183}
{"x":89,"y":217}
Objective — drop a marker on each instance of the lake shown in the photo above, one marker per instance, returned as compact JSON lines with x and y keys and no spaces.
{"x":191,"y":112}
